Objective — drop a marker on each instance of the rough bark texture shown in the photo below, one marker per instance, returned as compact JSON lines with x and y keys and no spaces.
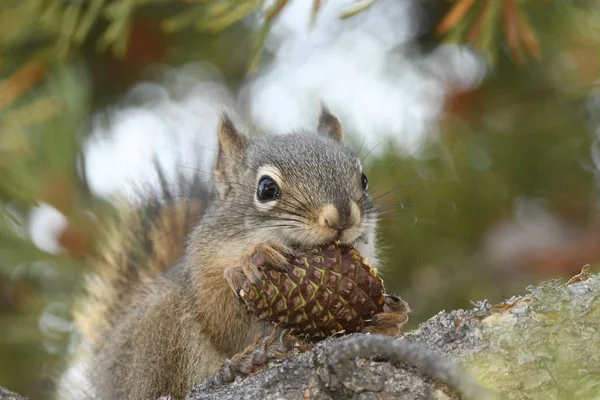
{"x":6,"y":395}
{"x":307,"y":376}
{"x":542,"y":345}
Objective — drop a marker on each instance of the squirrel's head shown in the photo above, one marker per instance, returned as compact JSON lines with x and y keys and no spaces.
{"x":301,"y":189}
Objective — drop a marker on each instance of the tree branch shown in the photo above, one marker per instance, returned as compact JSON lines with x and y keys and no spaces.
{"x":544,"y":344}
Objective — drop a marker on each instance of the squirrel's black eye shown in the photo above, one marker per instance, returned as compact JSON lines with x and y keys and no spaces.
{"x":267,"y":189}
{"x":365,"y":182}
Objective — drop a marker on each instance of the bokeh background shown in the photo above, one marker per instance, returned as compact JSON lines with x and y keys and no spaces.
{"x":478,"y":120}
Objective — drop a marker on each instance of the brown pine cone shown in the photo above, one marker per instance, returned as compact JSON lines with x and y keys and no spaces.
{"x":326,"y":290}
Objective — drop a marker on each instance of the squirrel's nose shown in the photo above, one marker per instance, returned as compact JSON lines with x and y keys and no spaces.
{"x":332,"y":218}
{"x":333,"y":224}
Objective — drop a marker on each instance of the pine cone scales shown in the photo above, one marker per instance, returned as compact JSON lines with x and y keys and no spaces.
{"x":326,"y":290}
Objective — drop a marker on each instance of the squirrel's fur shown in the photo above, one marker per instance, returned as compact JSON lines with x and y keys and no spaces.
{"x":143,"y":241}
{"x":137,"y":244}
{"x":159,"y":313}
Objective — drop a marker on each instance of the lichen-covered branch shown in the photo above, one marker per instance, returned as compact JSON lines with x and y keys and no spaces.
{"x":6,"y":395}
{"x":542,"y":345}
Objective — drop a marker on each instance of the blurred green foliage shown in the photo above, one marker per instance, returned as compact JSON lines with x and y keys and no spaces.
{"x":524,"y":132}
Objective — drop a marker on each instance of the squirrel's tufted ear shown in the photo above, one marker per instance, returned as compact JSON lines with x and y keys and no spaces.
{"x":230,"y":155}
{"x":329,"y":125}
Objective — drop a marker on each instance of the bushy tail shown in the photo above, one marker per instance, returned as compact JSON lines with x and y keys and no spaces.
{"x":144,"y":240}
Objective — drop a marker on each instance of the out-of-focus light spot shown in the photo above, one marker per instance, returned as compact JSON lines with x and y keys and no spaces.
{"x":174,"y":123}
{"x":364,"y":69}
{"x":45,"y":223}
{"x":55,"y":324}
{"x":357,"y":66}
{"x":457,"y":66}
{"x":361,"y":68}
{"x":533,"y":228}
{"x":480,"y":159}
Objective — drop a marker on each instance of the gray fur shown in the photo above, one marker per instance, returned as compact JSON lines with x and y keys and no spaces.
{"x":170,"y":330}
{"x":319,"y":169}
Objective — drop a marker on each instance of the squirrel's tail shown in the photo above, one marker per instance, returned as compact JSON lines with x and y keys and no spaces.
{"x":141,"y":241}
{"x":144,"y":240}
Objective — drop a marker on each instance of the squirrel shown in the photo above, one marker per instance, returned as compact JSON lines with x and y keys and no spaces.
{"x":160,"y":312}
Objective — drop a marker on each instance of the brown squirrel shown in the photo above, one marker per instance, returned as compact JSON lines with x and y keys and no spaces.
{"x":160,"y":312}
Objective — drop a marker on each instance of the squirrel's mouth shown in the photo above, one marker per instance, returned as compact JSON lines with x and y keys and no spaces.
{"x":297,"y":246}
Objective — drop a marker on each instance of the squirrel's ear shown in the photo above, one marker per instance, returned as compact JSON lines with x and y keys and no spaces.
{"x":329,"y":124}
{"x":230,"y":155}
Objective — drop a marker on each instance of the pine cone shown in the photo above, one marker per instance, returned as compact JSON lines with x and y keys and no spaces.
{"x":326,"y":290}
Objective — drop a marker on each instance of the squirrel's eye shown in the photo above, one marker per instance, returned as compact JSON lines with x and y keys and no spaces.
{"x":267,"y":189}
{"x":365,"y":182}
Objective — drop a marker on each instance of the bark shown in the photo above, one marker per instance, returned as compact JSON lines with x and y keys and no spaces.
{"x":6,"y":395}
{"x":544,"y":344}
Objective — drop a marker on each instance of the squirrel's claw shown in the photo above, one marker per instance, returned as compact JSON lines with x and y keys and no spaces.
{"x":271,"y":255}
{"x":264,"y":255}
{"x":395,"y":304}
{"x":390,"y":321}
{"x":235,"y":277}
{"x":389,"y":324}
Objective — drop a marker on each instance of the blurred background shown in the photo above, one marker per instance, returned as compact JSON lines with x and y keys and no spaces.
{"x":478,"y":121}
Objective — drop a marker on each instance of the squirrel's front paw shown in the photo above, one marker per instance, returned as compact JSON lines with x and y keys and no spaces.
{"x":264,"y":255}
{"x":390,"y":321}
{"x":270,"y":255}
